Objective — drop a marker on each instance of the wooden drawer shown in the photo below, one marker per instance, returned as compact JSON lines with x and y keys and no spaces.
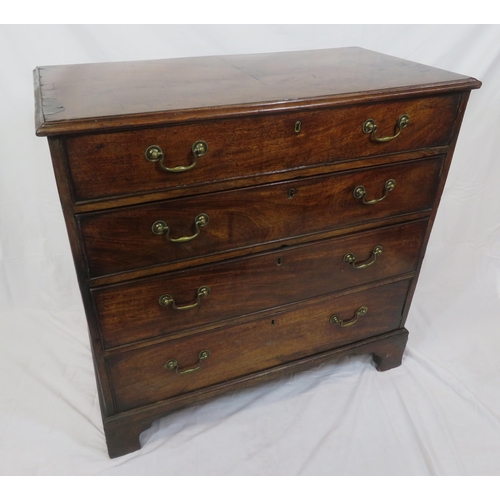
{"x":114,"y":164}
{"x":140,"y":377}
{"x":123,"y":239}
{"x":131,"y":312}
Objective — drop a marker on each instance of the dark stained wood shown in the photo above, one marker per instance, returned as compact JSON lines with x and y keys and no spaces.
{"x":389,"y":355}
{"x":140,"y":377}
{"x":122,"y":436}
{"x":96,"y":96}
{"x":145,"y":272}
{"x":123,"y":429}
{"x":122,"y":240}
{"x":253,"y":316}
{"x":440,"y":189}
{"x":131,"y":312}
{"x":274,"y":262}
{"x":178,"y":191}
{"x":248,"y":147}
{"x":59,"y":161}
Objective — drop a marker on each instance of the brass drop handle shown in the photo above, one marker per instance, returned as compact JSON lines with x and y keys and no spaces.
{"x":173,"y":364}
{"x":155,"y":154}
{"x":167,"y":299}
{"x":370,"y":127}
{"x":360,"y":192}
{"x":161,"y":227}
{"x":351,"y":259}
{"x":335,"y":319}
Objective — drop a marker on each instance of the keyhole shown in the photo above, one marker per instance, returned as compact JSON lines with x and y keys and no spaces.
{"x":291,"y":193}
{"x":298,"y":126}
{"x":272,"y":322}
{"x":279,"y":261}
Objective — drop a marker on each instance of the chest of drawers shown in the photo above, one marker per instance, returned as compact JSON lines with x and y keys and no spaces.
{"x":233,"y":219}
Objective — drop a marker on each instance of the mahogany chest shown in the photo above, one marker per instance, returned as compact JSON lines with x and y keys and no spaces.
{"x":236,"y":218}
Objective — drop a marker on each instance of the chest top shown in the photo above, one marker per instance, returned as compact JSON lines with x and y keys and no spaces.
{"x":86,"y":97}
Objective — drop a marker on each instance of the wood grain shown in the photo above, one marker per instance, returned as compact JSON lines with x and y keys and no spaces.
{"x":98,"y":96}
{"x":123,"y":429}
{"x":140,"y":377}
{"x":122,"y":240}
{"x":281,"y":209}
{"x":251,"y":147}
{"x":130,"y":312}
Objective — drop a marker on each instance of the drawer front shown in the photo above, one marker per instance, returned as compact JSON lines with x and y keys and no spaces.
{"x":125,"y":239}
{"x":144,"y":376}
{"x":114,"y":164}
{"x":132,"y":312}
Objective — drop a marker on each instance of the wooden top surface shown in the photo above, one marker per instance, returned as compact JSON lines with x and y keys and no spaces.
{"x":103,"y":96}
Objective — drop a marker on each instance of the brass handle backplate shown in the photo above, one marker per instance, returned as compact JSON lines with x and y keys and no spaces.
{"x":351,"y":259}
{"x":161,"y":227}
{"x":360,"y":192}
{"x":167,"y":299}
{"x":155,"y":154}
{"x":335,"y":319}
{"x":370,"y":127}
{"x":172,"y":364}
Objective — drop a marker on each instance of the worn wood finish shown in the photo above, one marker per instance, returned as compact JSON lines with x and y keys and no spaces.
{"x":127,"y":276}
{"x":123,"y":429}
{"x":122,"y":240}
{"x":303,"y":171}
{"x":140,"y":377}
{"x":111,"y":95}
{"x":281,"y":209}
{"x":248,"y":147}
{"x":131,"y":312}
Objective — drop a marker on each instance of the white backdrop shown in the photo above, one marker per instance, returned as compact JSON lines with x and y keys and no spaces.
{"x":439,"y":413}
